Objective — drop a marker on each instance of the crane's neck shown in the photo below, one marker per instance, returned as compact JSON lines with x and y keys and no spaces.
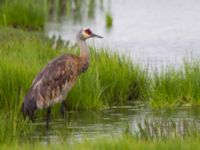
{"x":84,"y":55}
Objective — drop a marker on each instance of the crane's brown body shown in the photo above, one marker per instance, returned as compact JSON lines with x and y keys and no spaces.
{"x":55,"y":81}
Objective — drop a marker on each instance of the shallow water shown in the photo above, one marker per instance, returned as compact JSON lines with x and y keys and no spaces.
{"x":109,"y":122}
{"x":157,"y":32}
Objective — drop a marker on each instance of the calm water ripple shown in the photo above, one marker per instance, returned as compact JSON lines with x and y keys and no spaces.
{"x":109,"y":122}
{"x":157,"y":32}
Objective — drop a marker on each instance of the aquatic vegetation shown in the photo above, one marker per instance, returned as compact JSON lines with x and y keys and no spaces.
{"x":13,"y":127}
{"x":174,"y":87}
{"x":162,"y":129}
{"x":109,"y":20}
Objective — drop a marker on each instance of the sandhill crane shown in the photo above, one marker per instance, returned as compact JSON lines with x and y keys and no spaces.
{"x":57,"y":78}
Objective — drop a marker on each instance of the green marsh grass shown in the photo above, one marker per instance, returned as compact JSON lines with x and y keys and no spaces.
{"x":174,"y":87}
{"x":111,"y":78}
{"x":13,"y":128}
{"x":123,"y":143}
{"x":27,"y":14}
{"x":107,"y":81}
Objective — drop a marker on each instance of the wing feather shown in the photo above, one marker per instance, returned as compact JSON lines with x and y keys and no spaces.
{"x":52,"y":80}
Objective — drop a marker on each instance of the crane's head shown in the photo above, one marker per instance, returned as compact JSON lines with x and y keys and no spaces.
{"x":86,"y":33}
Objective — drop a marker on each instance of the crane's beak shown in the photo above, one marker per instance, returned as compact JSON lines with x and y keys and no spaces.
{"x":97,"y":36}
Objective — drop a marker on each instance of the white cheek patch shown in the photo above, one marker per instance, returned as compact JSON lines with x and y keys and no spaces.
{"x":85,"y":35}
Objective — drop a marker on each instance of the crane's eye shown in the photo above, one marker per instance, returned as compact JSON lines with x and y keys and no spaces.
{"x":88,"y":31}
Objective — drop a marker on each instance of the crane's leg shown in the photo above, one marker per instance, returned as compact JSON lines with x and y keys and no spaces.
{"x":48,"y":117}
{"x":63,"y":109}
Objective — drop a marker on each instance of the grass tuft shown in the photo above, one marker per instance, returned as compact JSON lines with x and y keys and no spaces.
{"x":173,"y":87}
{"x":109,"y":20}
{"x":23,"y":14}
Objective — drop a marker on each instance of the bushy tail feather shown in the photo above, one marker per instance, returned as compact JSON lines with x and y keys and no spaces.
{"x":28,"y":108}
{"x":23,"y":111}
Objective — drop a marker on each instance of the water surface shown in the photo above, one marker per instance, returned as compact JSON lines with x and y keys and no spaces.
{"x":158,"y":32}
{"x":109,"y":122}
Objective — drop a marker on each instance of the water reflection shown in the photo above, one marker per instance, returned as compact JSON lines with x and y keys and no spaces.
{"x":91,"y":9}
{"x":73,"y":10}
{"x":114,"y":121}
